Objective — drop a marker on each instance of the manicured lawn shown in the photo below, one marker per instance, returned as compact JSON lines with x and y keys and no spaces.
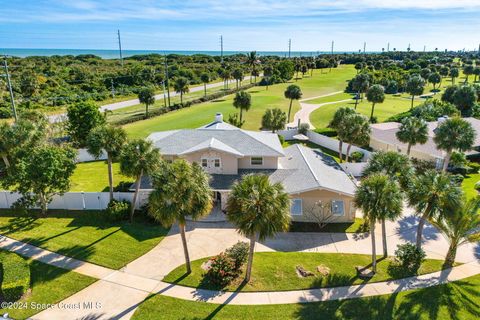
{"x":454,"y":301}
{"x":468,"y":185}
{"x":334,"y":97}
{"x":275,"y":271}
{"x":48,"y":285}
{"x":93,"y":176}
{"x":85,"y":235}
{"x":262,"y":99}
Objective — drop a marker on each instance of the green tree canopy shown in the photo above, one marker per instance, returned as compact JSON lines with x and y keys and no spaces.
{"x":293,"y":92}
{"x":274,"y":119}
{"x":242,"y":101}
{"x":82,"y":118}
{"x":181,"y":86}
{"x":375,"y":94}
{"x":412,"y":131}
{"x":146,"y":96}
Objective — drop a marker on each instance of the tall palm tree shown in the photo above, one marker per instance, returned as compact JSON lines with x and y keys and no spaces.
{"x":108,"y":138}
{"x":205,"y":78}
{"x":459,"y":225}
{"x":393,"y":164}
{"x":138,"y":158}
{"x":454,"y":73}
{"x":242,"y":101}
{"x":454,"y":134}
{"x":415,"y":86}
{"x":360,"y":85}
{"x":358,"y":131}
{"x":252,"y":60}
{"x":238,"y":76}
{"x":267,"y":74}
{"x":413,"y":130}
{"x":181,"y":86}
{"x":375,"y":94}
{"x":293,"y":92}
{"x":259,"y":210}
{"x":181,"y":190}
{"x":340,"y":124}
{"x":379,"y":197}
{"x":147,"y":97}
{"x":431,"y":194}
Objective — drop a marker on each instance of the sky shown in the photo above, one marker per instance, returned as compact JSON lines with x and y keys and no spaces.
{"x":263,"y":25}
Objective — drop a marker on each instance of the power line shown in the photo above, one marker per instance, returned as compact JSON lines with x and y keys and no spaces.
{"x":12,"y":99}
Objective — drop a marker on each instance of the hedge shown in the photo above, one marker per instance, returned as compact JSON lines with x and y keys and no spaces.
{"x":14,"y":276}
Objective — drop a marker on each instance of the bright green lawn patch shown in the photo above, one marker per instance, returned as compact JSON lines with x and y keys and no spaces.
{"x":468,"y":185}
{"x":334,"y":97}
{"x":262,"y":99}
{"x":49,"y":285}
{"x":454,"y":301}
{"x":15,"y":276}
{"x":275,"y":271}
{"x":93,"y":176}
{"x":85,"y":235}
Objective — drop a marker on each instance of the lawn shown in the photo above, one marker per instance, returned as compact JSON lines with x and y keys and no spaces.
{"x":49,"y":285}
{"x":85,"y":235}
{"x":93,"y":177}
{"x":275,"y":271}
{"x":454,"y":301}
{"x":332,"y":98}
{"x":468,"y":185}
{"x":262,"y":99}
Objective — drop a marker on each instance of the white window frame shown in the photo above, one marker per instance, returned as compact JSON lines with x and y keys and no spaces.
{"x":206,"y":162}
{"x":256,"y":164}
{"x":301,"y":207}
{"x":343,"y":208}
{"x":215,"y":162}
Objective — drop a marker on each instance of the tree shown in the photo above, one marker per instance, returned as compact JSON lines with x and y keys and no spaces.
{"x":259,"y":210}
{"x":393,"y":164}
{"x":434,"y":78}
{"x":415,"y":86}
{"x":226,"y":74}
{"x":358,"y":131}
{"x":147,"y":97}
{"x":454,"y":73}
{"x":464,"y":98}
{"x":138,"y":158}
{"x":28,"y":83}
{"x":476,"y":72}
{"x":459,"y":225}
{"x":375,"y":94}
{"x":181,"y":86}
{"x":274,"y":119}
{"x":378,"y":197}
{"x":205,"y":78}
{"x":359,"y":67}
{"x":454,"y":134}
{"x":467,"y":70}
{"x":238,"y":76}
{"x":360,"y":84}
{"x":82,"y":118}
{"x":431,"y":194}
{"x":252,"y":60}
{"x":286,"y":70}
{"x":108,"y":138}
{"x":180,"y":190}
{"x":267,"y":74}
{"x":43,"y":173}
{"x":340,"y":124}
{"x":293,"y":92}
{"x":242,"y":101}
{"x":412,"y":130}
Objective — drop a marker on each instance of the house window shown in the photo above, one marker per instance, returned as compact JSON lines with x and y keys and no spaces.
{"x":296,"y":207}
{"x":216,"y":163}
{"x":338,"y":208}
{"x":256,"y":161}
{"x":204,"y":163}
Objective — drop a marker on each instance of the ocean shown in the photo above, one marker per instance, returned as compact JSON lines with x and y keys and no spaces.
{"x":114,"y":54}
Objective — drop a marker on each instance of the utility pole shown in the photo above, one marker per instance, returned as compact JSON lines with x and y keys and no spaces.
{"x":364,"y":46}
{"x":120,"y":46}
{"x":332,"y":47}
{"x":388,"y":47}
{"x":408,"y":49}
{"x":166,"y":79}
{"x":12,"y":100}
{"x":221,"y":49}
{"x":289,"y":47}
{"x":424,"y":48}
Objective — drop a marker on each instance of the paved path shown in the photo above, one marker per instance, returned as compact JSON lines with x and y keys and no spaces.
{"x":121,"y":291}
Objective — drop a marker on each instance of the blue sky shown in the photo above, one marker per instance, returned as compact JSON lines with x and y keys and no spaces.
{"x":264,"y":25}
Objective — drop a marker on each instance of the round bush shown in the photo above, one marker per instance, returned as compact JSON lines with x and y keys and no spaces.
{"x":118,"y":210}
{"x":15,"y":276}
{"x":356,"y":156}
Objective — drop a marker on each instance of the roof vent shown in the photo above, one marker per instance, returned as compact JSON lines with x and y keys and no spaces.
{"x":219,"y":117}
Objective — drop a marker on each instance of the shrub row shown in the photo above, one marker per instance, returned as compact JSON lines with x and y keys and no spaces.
{"x":225,"y":267}
{"x":14,"y":275}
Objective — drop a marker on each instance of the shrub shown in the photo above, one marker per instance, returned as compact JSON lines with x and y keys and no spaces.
{"x":282,"y":139}
{"x":118,"y":210}
{"x":356,"y":156}
{"x":238,"y":253}
{"x":222,"y":270}
{"x":303,"y":128}
{"x":409,"y":257}
{"x":477,"y":186}
{"x":328,"y":132}
{"x":15,"y":275}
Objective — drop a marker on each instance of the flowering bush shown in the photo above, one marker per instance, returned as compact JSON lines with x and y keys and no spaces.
{"x":222,"y":270}
{"x":238,"y":253}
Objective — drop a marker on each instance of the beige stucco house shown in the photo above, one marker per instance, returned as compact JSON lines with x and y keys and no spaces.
{"x":317,"y":185}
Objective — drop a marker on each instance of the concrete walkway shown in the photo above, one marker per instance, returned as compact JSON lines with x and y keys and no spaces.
{"x":119,"y":292}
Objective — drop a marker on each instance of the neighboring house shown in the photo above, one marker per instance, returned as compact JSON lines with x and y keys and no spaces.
{"x":383,"y":137}
{"x":228,"y":153}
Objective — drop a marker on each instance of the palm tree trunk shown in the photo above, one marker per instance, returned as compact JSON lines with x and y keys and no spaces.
{"x":181,"y":97}
{"x":451,"y":254}
{"x":446,"y":161}
{"x":205,"y":89}
{"x":340,"y":147}
{"x":185,"y":247}
{"x":241,"y":115}
{"x":374,"y":249}
{"x":5,"y":160}
{"x":384,"y":239}
{"x":146,"y":110}
{"x":411,"y":106}
{"x":408,"y":149}
{"x":110,"y":175}
{"x":250,"y":258}
{"x":356,"y":99}
{"x":453,"y":80}
{"x":347,"y":156}
{"x":290,"y":110}
{"x":421,"y":224}
{"x":373,"y":109}
{"x":135,"y":195}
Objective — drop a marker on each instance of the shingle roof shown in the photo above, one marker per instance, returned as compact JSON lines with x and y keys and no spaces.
{"x":213,"y":144}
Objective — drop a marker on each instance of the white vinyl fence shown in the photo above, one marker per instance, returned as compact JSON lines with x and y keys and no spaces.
{"x":332,"y":144}
{"x":78,"y":200}
{"x":287,"y":134}
{"x":84,"y":156}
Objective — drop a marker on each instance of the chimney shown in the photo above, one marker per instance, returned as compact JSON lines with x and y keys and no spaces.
{"x":218,"y":117}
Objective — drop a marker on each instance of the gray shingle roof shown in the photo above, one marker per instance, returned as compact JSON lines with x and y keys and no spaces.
{"x":213,"y":144}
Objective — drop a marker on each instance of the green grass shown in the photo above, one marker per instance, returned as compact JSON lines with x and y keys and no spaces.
{"x":49,"y":285}
{"x":93,"y":177}
{"x":454,"y":301}
{"x":275,"y":271}
{"x":262,"y":99}
{"x":332,"y":98}
{"x":468,"y":185}
{"x":85,"y":235}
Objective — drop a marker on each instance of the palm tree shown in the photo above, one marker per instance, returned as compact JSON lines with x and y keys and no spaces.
{"x":205,"y":78}
{"x":293,"y":92}
{"x":467,"y":70}
{"x":108,"y":138}
{"x":459,"y":225}
{"x":360,"y":85}
{"x":375,"y":94}
{"x":413,"y":130}
{"x":358,"y":131}
{"x":238,"y":76}
{"x":340,"y":124}
{"x":139,"y":157}
{"x":274,"y":119}
{"x":181,"y":86}
{"x":454,"y":73}
{"x":395,"y":165}
{"x":267,"y":74}
{"x":147,"y":97}
{"x":454,"y":134}
{"x":259,"y":210}
{"x":378,"y":197}
{"x":415,"y":86}
{"x":242,"y":101}
{"x":252,"y":60}
{"x":181,"y":190}
{"x":430,"y":194}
